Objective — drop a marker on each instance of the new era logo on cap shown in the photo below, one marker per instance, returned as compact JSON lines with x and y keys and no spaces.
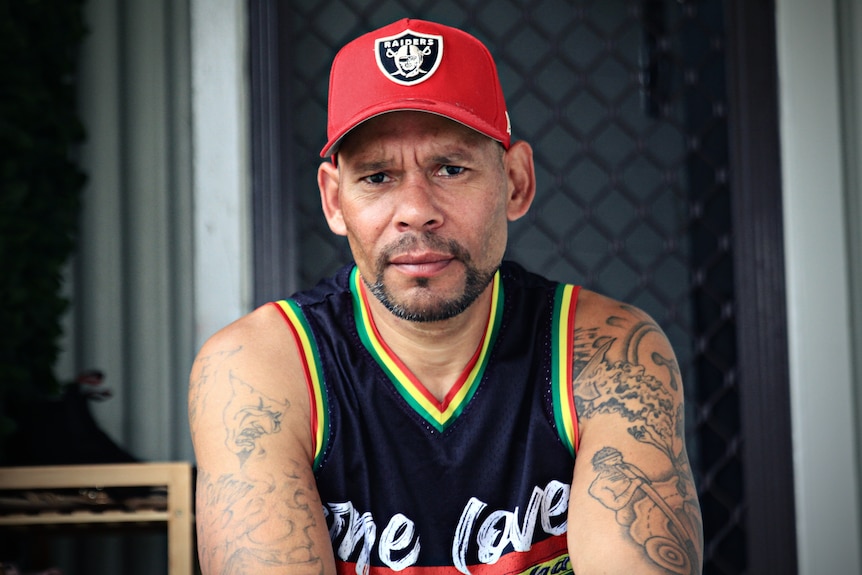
{"x":409,"y":57}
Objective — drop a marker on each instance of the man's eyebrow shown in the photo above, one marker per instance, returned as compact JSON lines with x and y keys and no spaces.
{"x":452,"y":158}
{"x":372,"y":166}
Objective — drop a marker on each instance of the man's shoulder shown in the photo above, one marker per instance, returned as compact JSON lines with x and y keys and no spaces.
{"x":613,"y":330}
{"x":260,"y":341}
{"x":599,"y":309}
{"x":248,"y":329}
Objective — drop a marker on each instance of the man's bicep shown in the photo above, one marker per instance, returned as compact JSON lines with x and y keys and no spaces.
{"x":631,"y":513}
{"x":258,"y":509}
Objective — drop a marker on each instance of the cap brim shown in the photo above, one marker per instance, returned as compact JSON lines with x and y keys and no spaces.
{"x":445,"y":110}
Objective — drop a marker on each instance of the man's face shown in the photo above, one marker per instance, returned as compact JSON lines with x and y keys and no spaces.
{"x":424,"y":203}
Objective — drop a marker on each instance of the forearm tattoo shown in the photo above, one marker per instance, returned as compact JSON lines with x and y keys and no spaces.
{"x":660,"y":513}
{"x":242,"y":526}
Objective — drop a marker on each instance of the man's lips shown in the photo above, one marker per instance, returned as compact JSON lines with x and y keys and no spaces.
{"x":421,"y":264}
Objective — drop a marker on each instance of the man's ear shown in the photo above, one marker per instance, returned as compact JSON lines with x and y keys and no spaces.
{"x":328,"y":182}
{"x":521,"y":173}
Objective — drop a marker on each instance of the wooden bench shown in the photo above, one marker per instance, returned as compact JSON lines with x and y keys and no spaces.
{"x":20,"y":485}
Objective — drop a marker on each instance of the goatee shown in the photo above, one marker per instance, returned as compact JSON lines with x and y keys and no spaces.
{"x":429,"y":309}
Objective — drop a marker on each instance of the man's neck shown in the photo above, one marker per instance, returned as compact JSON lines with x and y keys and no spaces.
{"x":435,"y":352}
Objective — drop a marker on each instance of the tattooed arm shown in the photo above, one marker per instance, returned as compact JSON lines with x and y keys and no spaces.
{"x":633,"y":506}
{"x":258,"y":510}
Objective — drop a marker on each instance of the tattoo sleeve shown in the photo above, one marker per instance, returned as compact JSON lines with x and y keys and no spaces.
{"x":622,"y":377}
{"x":258,"y":516}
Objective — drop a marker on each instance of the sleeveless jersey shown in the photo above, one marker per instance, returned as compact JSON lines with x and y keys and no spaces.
{"x":477,"y":483}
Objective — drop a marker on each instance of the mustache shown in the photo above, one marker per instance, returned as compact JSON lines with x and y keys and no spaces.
{"x":426,"y":240}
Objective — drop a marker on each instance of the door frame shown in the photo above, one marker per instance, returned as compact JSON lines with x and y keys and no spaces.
{"x":761,"y":314}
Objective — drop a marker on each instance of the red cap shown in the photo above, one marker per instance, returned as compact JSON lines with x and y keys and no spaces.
{"x":416,"y":65}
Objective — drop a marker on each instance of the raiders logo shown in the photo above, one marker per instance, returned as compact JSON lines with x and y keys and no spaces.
{"x":409,"y":57}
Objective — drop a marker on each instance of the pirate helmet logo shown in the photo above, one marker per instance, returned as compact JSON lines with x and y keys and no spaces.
{"x":409,"y":57}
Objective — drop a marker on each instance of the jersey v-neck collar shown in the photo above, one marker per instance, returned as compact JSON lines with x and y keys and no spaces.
{"x":439,"y":414}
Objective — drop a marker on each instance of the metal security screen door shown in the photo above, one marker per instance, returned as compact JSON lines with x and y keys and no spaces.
{"x":629,"y":108}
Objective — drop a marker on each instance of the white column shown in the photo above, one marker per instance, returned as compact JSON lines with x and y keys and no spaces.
{"x":822,"y":396}
{"x":222,"y":206}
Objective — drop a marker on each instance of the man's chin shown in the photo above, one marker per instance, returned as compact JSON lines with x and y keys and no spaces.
{"x":430,"y":299}
{"x":420,"y":306}
{"x":427,"y":315}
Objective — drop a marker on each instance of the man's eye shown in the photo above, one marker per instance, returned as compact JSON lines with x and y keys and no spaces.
{"x":377,"y":178}
{"x":452,"y":170}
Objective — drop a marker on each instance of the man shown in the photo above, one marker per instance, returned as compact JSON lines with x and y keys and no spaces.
{"x":432,"y":409}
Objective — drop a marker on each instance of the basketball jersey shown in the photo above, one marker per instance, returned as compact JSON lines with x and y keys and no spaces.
{"x":477,"y":483}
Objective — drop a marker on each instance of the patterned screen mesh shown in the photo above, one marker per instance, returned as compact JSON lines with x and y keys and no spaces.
{"x":625,"y":105}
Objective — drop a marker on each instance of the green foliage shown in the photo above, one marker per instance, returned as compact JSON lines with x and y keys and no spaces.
{"x":40,"y":189}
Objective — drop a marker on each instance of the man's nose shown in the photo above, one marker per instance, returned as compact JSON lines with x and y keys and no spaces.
{"x":417,"y":207}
